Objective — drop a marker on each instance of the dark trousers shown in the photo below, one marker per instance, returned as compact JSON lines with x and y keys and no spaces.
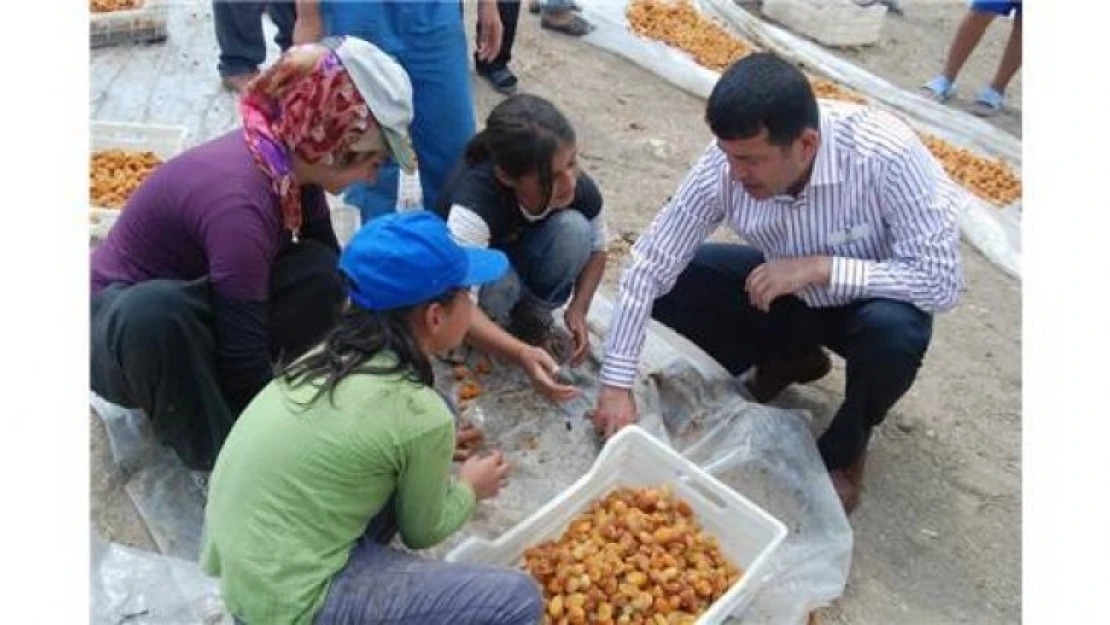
{"x":881,"y":340}
{"x":509,"y":10}
{"x":154,"y":346}
{"x":239,"y":32}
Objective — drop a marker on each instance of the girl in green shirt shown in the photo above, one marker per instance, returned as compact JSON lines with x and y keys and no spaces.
{"x":351,"y":445}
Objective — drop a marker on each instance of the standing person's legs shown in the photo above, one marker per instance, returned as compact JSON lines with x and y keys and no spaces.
{"x":306,"y":294}
{"x":430,"y":43}
{"x":371,"y":21}
{"x":239,"y":35}
{"x":284,"y":16}
{"x":883,"y":343}
{"x":559,"y":16}
{"x":709,"y":306}
{"x":381,"y":584}
{"x":990,"y":99}
{"x":497,"y":71}
{"x":443,"y":122}
{"x":153,"y":347}
{"x":443,"y":101}
{"x":1011,"y":58}
{"x":968,"y":35}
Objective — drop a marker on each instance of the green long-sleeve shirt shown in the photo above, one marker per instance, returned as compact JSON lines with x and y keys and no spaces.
{"x":294,"y":487}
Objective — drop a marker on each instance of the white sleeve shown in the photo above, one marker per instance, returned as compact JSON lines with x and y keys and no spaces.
{"x":599,"y":232}
{"x":467,"y":227}
{"x":469,"y":230}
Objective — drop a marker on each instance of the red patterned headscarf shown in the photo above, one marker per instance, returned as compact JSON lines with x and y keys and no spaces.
{"x":305,"y":104}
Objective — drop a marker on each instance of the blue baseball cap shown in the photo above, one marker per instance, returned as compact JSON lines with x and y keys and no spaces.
{"x":404,"y":259}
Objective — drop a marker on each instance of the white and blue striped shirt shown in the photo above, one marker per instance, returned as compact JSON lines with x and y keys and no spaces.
{"x":877,"y":202}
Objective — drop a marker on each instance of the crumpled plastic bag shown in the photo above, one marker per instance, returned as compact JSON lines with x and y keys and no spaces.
{"x":132,"y":586}
{"x":163,"y":490}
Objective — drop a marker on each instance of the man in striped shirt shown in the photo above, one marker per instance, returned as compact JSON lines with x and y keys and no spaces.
{"x":852,"y":245}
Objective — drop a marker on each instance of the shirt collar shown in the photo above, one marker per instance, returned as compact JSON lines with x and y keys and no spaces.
{"x":826,"y":169}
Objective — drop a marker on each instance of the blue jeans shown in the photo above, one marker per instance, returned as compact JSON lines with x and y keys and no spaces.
{"x":543,"y":266}
{"x":428,"y":39}
{"x":881,"y":340}
{"x":239,"y":33}
{"x":381,"y":584}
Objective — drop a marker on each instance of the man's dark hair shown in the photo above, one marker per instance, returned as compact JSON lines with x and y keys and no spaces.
{"x":762,"y":91}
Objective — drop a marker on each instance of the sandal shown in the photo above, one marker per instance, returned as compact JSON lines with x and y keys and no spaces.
{"x":940,"y":88}
{"x":576,"y":27}
{"x":502,"y":79}
{"x":988,"y":103}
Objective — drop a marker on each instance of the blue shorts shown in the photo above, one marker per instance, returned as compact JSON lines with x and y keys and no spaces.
{"x":1005,"y":9}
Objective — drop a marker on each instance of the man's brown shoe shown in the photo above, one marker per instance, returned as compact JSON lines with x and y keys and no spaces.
{"x":772,"y":378}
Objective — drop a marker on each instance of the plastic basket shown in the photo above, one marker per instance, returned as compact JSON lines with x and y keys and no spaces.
{"x":165,"y":141}
{"x":146,"y":24}
{"x":748,"y":535}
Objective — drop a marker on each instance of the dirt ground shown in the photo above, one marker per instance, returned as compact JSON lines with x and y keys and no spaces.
{"x":938,"y":535}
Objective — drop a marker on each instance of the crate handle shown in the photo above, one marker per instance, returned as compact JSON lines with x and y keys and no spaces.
{"x":701,"y":491}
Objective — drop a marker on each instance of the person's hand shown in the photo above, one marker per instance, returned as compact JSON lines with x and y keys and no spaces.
{"x":785,"y":276}
{"x":307,"y":29}
{"x":489,"y":43}
{"x":575,"y":318}
{"x":486,"y":475}
{"x":616,"y":408}
{"x":467,"y":438}
{"x":540,"y":368}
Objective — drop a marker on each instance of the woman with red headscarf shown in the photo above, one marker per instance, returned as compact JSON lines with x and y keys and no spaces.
{"x":224,"y":261}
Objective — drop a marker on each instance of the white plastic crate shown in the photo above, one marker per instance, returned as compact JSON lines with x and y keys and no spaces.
{"x":146,"y":24}
{"x":748,"y":535}
{"x":165,"y":141}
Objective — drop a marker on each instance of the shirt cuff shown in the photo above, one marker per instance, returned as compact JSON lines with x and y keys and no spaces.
{"x":849,"y":277}
{"x":619,"y":371}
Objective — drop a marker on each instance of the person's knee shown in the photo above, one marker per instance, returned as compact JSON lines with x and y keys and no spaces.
{"x":716,"y":269}
{"x":574,"y":240}
{"x":727,"y":260}
{"x":568,"y":248}
{"x":572,"y":227}
{"x":892,"y":333}
{"x":151,"y":313}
